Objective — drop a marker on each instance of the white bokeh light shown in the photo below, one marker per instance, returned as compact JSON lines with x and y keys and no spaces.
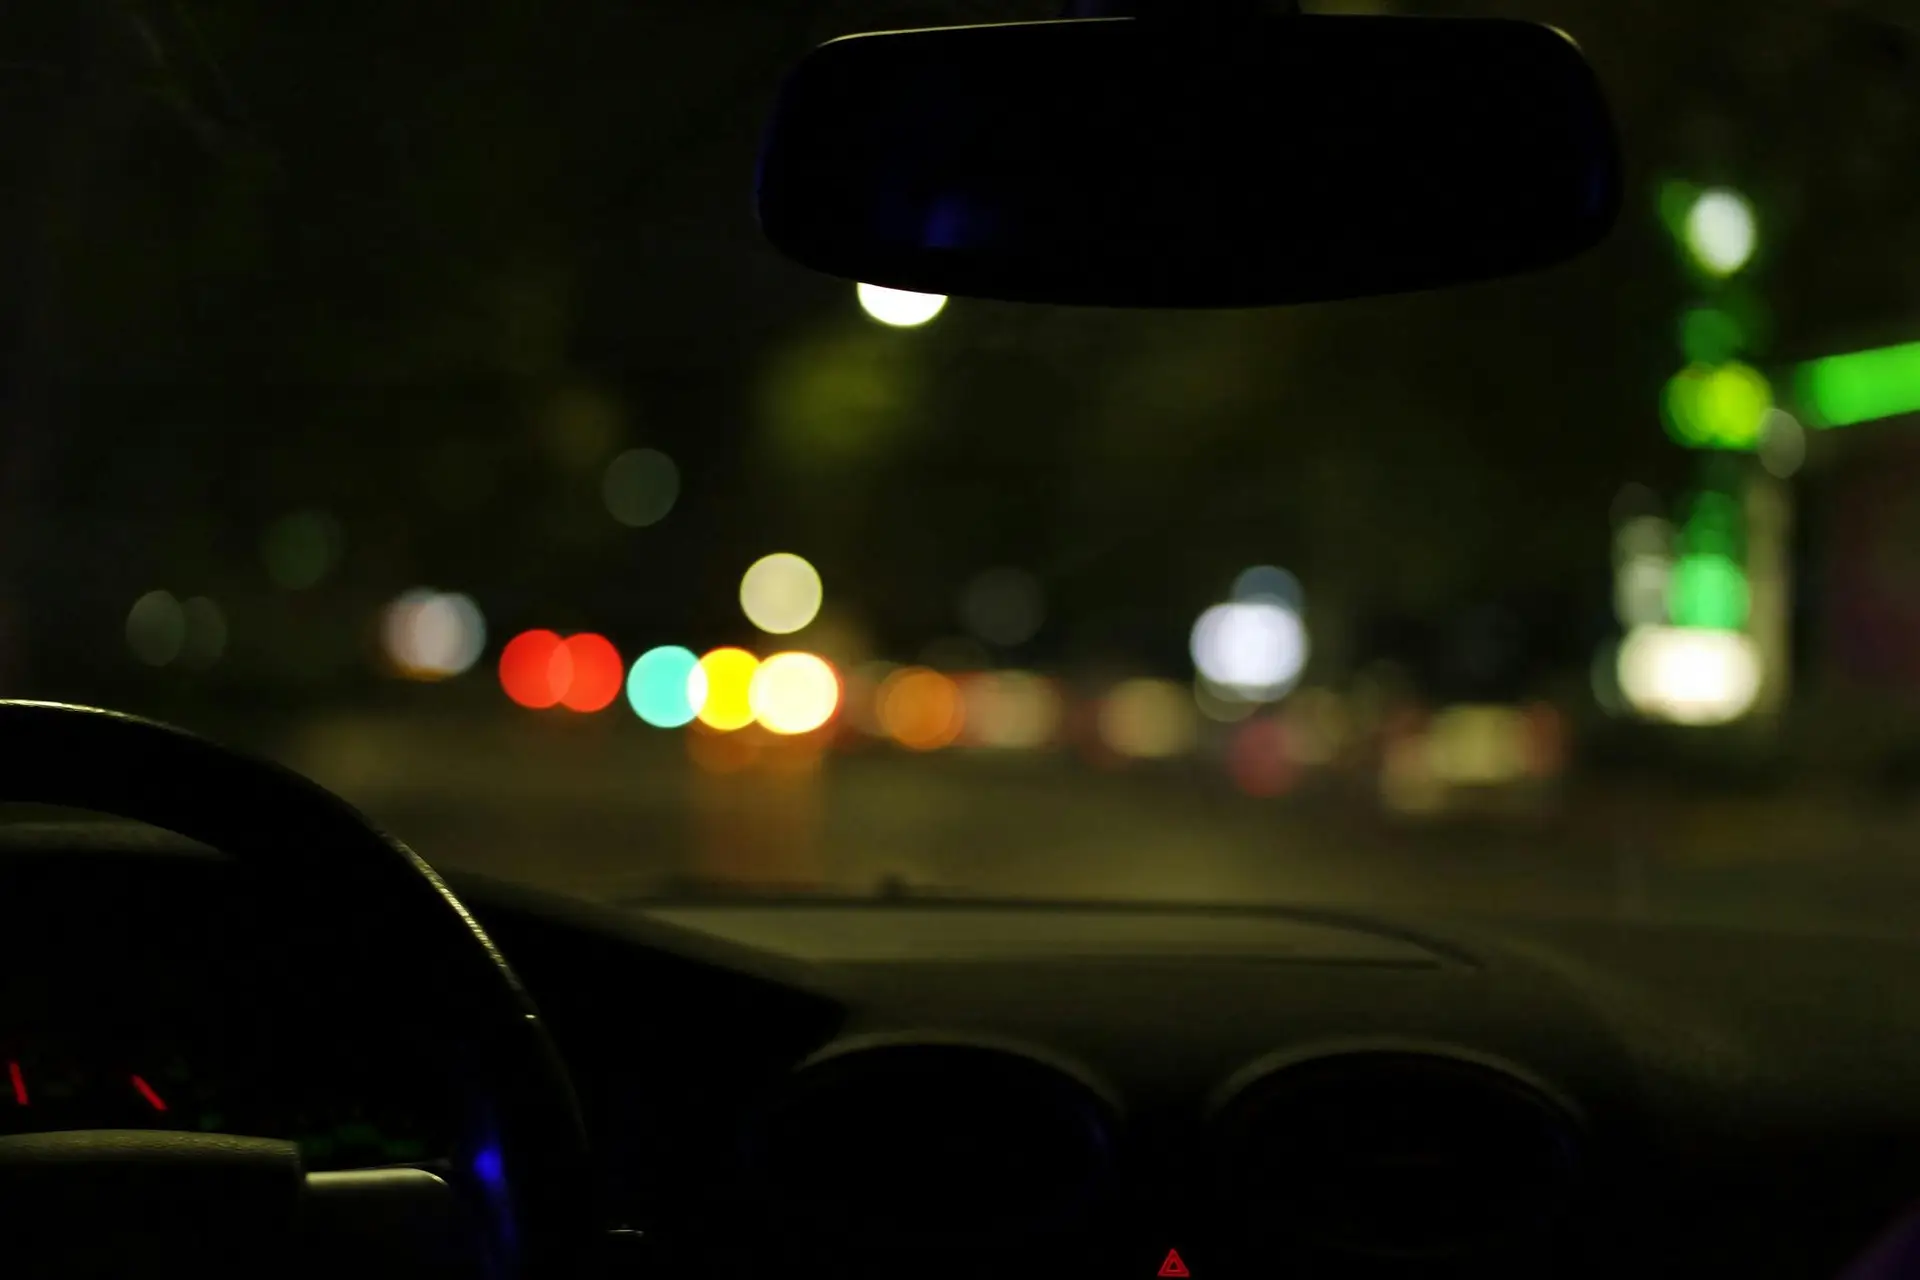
{"x":780,"y":593}
{"x":1720,"y":231}
{"x":899,"y":307}
{"x":431,"y":635}
{"x":1689,"y":675}
{"x":1252,"y":649}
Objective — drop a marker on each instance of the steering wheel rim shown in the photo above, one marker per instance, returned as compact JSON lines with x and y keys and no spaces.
{"x":308,"y":844}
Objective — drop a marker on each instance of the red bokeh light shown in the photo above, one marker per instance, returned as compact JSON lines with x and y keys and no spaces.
{"x":596,"y":671}
{"x":536,"y":669}
{"x":1258,"y":758}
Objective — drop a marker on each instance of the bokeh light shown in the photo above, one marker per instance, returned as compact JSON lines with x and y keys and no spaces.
{"x":1011,"y":710}
{"x":430,"y":635}
{"x":1708,"y":590}
{"x":1258,"y":759}
{"x":1641,"y":585}
{"x":640,"y":487}
{"x":1720,"y":231}
{"x":156,"y":628}
{"x":793,"y":693}
{"x":899,"y":307}
{"x":1148,"y":719}
{"x":728,"y":704}
{"x":1717,"y":406}
{"x":1710,"y":335}
{"x":1478,"y":745}
{"x":1222,"y":706}
{"x":667,"y":686}
{"x":1838,"y":391}
{"x":1689,"y":675}
{"x":1254,"y":649}
{"x":597,"y":673}
{"x":1271,"y":584}
{"x":1783,"y":444}
{"x":1318,"y":724}
{"x":1547,"y":739}
{"x":780,"y":593}
{"x":300,"y":548}
{"x":921,"y":709}
{"x":1003,"y":606}
{"x":206,"y":638}
{"x":1407,"y":781}
{"x":536,"y":669}
{"x":1642,"y":536}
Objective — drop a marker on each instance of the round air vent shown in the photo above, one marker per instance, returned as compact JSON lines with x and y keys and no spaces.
{"x":930,"y":1147}
{"x":1406,"y":1158}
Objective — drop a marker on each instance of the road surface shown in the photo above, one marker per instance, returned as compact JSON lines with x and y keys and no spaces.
{"x":609,"y":810}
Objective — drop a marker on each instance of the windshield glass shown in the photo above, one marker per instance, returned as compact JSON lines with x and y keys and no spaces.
{"x":415,"y":401}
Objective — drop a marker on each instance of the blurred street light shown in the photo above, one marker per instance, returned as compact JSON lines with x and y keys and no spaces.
{"x":780,"y":593}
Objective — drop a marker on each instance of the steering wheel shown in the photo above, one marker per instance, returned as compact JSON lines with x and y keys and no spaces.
{"x":111,"y":1202}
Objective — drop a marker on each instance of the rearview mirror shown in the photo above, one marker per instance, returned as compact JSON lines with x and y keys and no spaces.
{"x":1135,"y":162}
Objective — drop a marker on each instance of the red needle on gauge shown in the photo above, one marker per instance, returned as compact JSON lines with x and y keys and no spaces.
{"x":19,"y":1083}
{"x":154,"y":1100}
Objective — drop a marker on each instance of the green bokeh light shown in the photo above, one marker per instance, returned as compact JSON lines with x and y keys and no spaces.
{"x":1839,"y":391}
{"x":1717,"y":406}
{"x":1674,"y":199}
{"x":1709,"y":335}
{"x":1708,"y":590}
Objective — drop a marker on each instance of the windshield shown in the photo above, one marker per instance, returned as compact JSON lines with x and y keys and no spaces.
{"x":415,"y":401}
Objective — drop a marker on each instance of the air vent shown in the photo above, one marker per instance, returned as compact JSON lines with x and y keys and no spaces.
{"x":929,"y":1149}
{"x":1412,"y":1161}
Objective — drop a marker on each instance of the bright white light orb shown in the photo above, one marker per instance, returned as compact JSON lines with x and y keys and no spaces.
{"x":1252,"y":649}
{"x":1720,"y":231}
{"x":780,"y":593}
{"x":1689,"y":675}
{"x":899,"y":307}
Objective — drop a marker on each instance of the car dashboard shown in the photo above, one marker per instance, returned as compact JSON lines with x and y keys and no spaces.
{"x":964,"y":1088}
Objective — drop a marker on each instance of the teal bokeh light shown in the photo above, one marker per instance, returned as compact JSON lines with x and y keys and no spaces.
{"x":659,"y":686}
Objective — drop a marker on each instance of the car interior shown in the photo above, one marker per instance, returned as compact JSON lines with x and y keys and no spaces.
{"x":247,"y":1031}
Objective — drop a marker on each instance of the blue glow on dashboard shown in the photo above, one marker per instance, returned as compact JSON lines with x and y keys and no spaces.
{"x":491,"y":1169}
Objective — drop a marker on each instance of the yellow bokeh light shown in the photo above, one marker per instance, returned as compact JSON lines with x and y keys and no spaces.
{"x":729,"y":679}
{"x":899,"y":307}
{"x":1011,"y":710}
{"x":793,"y":693}
{"x":1148,"y":719}
{"x":780,"y":593}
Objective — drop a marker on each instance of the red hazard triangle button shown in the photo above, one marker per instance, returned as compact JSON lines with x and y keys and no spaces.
{"x":1173,"y":1266}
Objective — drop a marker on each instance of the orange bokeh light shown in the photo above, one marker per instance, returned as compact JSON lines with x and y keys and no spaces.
{"x":921,"y":709}
{"x":597,"y":674}
{"x":536,"y":668}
